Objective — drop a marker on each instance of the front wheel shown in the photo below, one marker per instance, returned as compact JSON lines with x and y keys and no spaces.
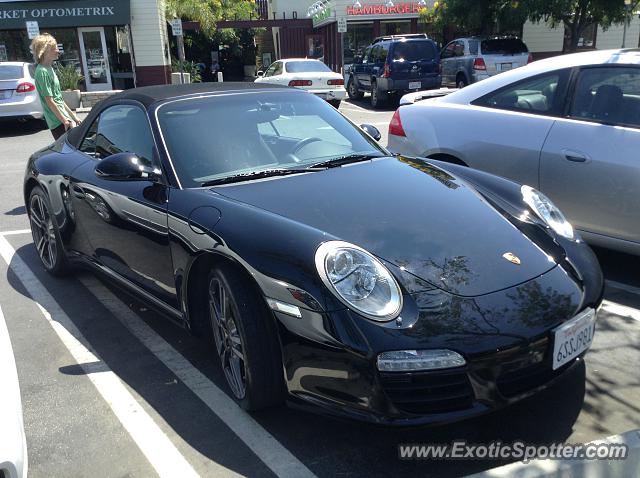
{"x":245,"y":340}
{"x":46,"y":236}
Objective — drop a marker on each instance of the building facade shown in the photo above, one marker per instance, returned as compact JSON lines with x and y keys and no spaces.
{"x":364,"y":19}
{"x":116,"y":44}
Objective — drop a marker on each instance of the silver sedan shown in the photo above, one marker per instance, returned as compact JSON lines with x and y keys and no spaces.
{"x":18,"y":95}
{"x":568,"y":126}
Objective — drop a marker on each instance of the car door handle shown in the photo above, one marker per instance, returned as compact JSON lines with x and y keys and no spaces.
{"x":575,"y":156}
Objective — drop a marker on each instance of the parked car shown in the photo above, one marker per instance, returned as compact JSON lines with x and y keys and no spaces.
{"x":18,"y":96}
{"x":569,"y":126}
{"x":384,"y":289}
{"x":468,"y":60}
{"x":13,"y":444}
{"x":307,"y":74}
{"x":393,"y":65}
{"x":97,"y":69}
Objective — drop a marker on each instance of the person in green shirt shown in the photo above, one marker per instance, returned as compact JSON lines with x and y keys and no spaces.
{"x":57,"y":114}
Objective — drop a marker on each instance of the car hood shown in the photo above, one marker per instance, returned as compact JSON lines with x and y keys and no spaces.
{"x":410,"y":213}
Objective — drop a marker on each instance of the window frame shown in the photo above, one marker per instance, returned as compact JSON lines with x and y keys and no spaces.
{"x":559,"y":107}
{"x":571,"y":94}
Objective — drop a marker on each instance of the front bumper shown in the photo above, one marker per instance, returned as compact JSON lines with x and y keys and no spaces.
{"x":505,"y":338}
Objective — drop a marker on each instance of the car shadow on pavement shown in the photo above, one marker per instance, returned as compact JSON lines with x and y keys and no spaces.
{"x":390,"y":105}
{"x":327,"y":446}
{"x":9,"y":129}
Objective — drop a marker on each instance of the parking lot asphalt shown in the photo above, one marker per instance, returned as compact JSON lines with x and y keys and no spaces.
{"x":112,"y":388}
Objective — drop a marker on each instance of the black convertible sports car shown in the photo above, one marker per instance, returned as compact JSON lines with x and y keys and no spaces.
{"x":322,"y":270}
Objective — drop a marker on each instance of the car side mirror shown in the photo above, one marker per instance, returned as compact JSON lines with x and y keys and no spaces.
{"x":260,"y":74}
{"x":125,"y":167}
{"x":371,"y":131}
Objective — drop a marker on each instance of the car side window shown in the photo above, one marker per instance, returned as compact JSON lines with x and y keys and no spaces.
{"x":473,"y":47}
{"x":270,"y":70}
{"x":542,"y":94}
{"x":608,"y":95}
{"x":278,"y":69}
{"x":124,"y":128}
{"x":384,"y":52}
{"x":367,"y":55}
{"x":448,"y":51}
{"x":458,"y":48}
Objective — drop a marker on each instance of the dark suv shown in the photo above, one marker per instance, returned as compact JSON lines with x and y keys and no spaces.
{"x":394,"y":64}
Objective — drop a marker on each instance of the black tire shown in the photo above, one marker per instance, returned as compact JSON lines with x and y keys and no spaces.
{"x":45,"y":233}
{"x":352,"y":90}
{"x":377,"y":98}
{"x":245,"y":340}
{"x":335,"y":103}
{"x":461,"y":81}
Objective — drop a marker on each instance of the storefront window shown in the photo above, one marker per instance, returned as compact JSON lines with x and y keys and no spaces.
{"x":358,"y":36}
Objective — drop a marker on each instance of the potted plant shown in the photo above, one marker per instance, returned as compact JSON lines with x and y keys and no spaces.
{"x":69,"y":78}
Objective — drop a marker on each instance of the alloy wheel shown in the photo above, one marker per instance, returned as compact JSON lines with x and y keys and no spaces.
{"x":227,"y":337}
{"x":43,"y":231}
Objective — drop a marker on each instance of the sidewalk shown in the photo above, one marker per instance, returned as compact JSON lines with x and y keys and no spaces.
{"x":627,"y":468}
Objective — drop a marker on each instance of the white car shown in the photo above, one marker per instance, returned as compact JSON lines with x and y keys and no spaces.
{"x":18,"y":96}
{"x":307,"y":74}
{"x":568,"y":126}
{"x":13,"y":444}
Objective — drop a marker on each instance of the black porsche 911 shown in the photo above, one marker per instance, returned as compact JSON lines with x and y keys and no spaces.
{"x":322,"y":270}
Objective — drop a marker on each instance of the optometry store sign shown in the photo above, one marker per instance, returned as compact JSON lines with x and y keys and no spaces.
{"x":68,"y":13}
{"x":398,"y":8}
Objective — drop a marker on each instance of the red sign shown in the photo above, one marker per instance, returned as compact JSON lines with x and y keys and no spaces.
{"x":384,"y":10}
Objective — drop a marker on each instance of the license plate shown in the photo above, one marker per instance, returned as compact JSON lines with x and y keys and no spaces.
{"x":415,"y":85}
{"x":505,"y":66}
{"x":5,"y":94}
{"x":573,"y":337}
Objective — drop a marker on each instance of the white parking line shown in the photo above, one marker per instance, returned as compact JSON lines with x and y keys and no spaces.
{"x":280,"y":460}
{"x":621,"y":310}
{"x":16,"y":232}
{"x":154,"y":444}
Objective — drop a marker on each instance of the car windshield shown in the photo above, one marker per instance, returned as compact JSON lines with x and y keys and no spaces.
{"x":239,"y":134}
{"x":413,"y":51}
{"x":11,"y":72}
{"x":306,"y":66}
{"x":504,"y":46}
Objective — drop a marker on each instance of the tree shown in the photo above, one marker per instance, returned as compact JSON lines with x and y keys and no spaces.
{"x":577,"y":15}
{"x":476,"y":17}
{"x":208,"y":12}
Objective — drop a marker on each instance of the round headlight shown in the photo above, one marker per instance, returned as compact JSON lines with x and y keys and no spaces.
{"x":547,"y":211}
{"x":359,"y":280}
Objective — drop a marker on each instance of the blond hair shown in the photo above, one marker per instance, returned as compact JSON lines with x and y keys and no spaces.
{"x":40,"y":44}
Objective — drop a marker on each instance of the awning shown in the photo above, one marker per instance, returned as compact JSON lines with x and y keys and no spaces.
{"x":65,"y":13}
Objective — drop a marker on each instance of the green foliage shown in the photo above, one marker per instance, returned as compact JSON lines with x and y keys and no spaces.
{"x":208,"y":12}
{"x":187,"y":67}
{"x":476,"y":17}
{"x":68,"y":76}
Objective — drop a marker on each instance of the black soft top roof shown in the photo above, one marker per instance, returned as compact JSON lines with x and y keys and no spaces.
{"x":148,"y":95}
